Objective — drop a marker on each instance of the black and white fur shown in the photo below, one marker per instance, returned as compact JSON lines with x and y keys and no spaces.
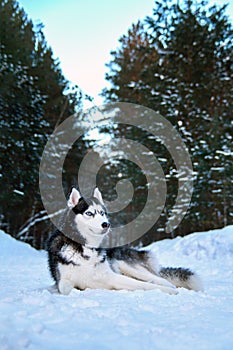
{"x":77,"y":261}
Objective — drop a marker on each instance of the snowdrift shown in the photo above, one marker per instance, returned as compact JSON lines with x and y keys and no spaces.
{"x":34,"y":316}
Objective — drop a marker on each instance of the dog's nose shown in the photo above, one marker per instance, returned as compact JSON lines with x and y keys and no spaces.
{"x":105,"y":224}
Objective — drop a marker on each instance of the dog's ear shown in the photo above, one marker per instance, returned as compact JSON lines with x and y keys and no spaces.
{"x":73,"y":198}
{"x":97,"y":194}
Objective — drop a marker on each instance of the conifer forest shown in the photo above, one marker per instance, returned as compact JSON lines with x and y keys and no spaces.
{"x":178,"y":62}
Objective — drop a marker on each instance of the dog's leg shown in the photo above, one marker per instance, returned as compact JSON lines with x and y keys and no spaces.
{"x":65,"y":286}
{"x":119,"y":282}
{"x":141,"y":273}
{"x":179,"y":277}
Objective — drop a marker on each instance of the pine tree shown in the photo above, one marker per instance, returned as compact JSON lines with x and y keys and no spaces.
{"x":129,"y":69}
{"x":32,"y":100}
{"x":188,"y":79}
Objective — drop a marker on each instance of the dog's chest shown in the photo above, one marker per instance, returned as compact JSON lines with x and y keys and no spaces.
{"x":87,"y":257}
{"x":85,"y":269}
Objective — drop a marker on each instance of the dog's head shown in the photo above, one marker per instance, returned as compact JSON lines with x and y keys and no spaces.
{"x":90,"y":216}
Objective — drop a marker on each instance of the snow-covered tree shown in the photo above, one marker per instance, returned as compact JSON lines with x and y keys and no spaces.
{"x":183,"y":69}
{"x":33,"y":100}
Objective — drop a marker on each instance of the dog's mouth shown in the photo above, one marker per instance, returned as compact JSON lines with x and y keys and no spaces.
{"x":101,"y":232}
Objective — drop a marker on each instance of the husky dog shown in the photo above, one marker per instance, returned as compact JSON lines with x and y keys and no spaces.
{"x":77,"y":261}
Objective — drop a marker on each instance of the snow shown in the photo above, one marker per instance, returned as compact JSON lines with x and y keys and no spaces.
{"x":34,"y":316}
{"x":19,"y":192}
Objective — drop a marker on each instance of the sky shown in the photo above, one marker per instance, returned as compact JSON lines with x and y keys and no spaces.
{"x":82,"y":33}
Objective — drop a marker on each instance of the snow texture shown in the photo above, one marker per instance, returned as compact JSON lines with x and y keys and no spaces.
{"x":34,"y":316}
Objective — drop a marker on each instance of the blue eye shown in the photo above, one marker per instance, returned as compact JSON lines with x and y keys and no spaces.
{"x":88,"y":213}
{"x":102,"y":213}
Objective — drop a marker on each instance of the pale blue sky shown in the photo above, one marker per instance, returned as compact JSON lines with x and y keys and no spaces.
{"x":83,"y":32}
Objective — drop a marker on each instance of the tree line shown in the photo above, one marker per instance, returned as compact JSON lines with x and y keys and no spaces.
{"x":34,"y":98}
{"x":179,"y":62}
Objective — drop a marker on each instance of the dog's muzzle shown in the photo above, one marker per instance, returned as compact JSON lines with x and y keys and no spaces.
{"x":105,"y":226}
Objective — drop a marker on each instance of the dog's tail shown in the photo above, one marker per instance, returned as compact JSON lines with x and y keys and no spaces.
{"x":182,"y":277}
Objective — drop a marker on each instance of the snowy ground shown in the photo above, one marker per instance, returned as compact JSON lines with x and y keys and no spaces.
{"x":33,"y":317}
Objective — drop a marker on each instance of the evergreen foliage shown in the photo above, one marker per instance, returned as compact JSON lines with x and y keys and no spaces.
{"x":180,"y":62}
{"x":34,"y":98}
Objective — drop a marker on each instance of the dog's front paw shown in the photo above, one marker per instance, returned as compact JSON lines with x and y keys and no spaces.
{"x":172,"y":291}
{"x":169,"y":290}
{"x":65,"y":286}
